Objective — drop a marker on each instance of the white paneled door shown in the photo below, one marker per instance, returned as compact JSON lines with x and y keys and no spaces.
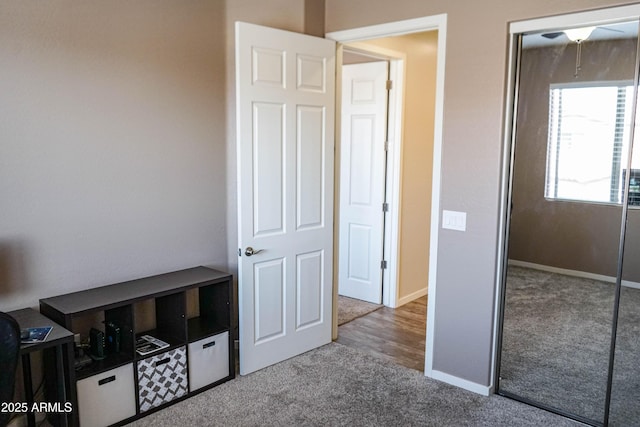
{"x":362,"y":180}
{"x":285,"y":85}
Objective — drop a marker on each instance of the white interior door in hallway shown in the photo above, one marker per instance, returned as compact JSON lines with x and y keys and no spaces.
{"x":362,"y":180}
{"x":285,"y":93}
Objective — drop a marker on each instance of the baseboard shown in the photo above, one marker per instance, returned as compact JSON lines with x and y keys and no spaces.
{"x":412,"y":296}
{"x":573,"y":273}
{"x":484,"y":390}
{"x":628,"y":284}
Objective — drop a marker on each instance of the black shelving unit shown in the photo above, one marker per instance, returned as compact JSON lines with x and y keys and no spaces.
{"x":188,"y":309}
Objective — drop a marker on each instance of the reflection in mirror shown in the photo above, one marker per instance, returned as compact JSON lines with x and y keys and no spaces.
{"x":625,"y":386}
{"x":572,"y":133}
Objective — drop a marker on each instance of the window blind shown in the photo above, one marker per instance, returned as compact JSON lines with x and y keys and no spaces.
{"x":587,"y":142}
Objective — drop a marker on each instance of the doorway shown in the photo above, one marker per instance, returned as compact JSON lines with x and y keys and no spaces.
{"x":439,"y":23}
{"x":411,"y":154}
{"x":319,"y":119}
{"x":407,"y":182}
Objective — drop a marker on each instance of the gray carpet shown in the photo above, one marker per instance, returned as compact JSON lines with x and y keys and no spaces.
{"x":339,"y":386}
{"x":556,"y":339}
{"x":350,"y":309}
{"x":625,"y":392}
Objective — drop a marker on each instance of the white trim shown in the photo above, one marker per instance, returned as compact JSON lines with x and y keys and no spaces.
{"x":630,"y":284}
{"x":391,"y":275}
{"x":397,"y":28}
{"x":373,"y":51}
{"x":462,"y":383}
{"x":572,"y":273}
{"x":435,"y":193}
{"x":336,"y":190}
{"x":429,"y":23}
{"x":412,"y":296}
{"x":590,"y":84}
{"x":592,"y":17}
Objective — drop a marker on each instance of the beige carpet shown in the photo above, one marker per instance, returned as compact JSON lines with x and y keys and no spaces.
{"x":334,"y":386}
{"x":350,"y":308}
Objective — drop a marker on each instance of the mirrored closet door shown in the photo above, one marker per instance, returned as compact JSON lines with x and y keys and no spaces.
{"x":625,"y":384}
{"x":571,"y":176}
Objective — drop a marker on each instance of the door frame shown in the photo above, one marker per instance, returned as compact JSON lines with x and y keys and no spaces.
{"x":428,"y":23}
{"x":393,"y":177}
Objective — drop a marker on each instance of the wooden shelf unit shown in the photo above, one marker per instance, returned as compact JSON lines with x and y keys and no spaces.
{"x":183,"y":308}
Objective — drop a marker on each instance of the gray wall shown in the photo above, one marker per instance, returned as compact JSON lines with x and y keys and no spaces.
{"x":112,"y":153}
{"x":476,"y":62}
{"x":571,"y":235}
{"x":117,"y":153}
{"x":117,"y":149}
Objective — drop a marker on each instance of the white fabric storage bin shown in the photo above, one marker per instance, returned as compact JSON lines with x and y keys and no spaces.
{"x":107,"y":398}
{"x":162,"y":378}
{"x":208,"y":360}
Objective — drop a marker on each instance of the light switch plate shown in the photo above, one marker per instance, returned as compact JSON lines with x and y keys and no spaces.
{"x":453,"y":220}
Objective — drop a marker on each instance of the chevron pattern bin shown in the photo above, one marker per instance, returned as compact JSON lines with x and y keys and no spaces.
{"x":162,"y":378}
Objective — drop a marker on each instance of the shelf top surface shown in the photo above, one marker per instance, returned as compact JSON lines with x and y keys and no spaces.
{"x":132,"y":290}
{"x":29,"y":318}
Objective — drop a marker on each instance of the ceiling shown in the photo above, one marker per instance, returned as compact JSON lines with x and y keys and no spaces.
{"x":621,"y":30}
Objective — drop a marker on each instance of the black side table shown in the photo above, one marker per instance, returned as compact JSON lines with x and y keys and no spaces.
{"x":60,"y":340}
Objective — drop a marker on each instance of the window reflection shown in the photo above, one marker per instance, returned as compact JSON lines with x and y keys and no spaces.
{"x":588,"y":141}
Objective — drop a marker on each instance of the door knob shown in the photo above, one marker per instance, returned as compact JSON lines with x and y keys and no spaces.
{"x":250,"y":251}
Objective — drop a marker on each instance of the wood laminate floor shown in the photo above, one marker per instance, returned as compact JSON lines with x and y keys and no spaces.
{"x":396,"y":334}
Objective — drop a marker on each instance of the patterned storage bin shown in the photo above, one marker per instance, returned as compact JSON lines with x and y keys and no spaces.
{"x":162,"y":378}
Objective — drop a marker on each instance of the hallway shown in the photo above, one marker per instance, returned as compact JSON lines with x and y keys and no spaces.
{"x":397,"y":334}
